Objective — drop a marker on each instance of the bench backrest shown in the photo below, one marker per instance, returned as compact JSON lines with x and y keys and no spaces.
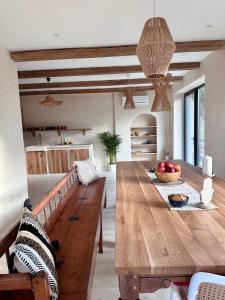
{"x":47,"y":210}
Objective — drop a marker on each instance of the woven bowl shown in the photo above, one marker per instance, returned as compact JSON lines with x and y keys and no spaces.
{"x":167,"y":177}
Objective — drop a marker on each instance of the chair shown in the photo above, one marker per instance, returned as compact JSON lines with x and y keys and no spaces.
{"x":203,"y":286}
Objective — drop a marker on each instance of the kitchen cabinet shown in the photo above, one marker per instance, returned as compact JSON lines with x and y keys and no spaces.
{"x":36,"y":162}
{"x":57,"y":161}
{"x":78,"y":154}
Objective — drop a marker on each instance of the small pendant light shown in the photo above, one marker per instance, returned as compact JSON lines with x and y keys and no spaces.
{"x":49,"y":100}
{"x":161,"y":101}
{"x":129,"y":93}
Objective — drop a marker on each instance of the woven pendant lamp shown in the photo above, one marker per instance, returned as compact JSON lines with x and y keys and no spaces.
{"x":161,"y":101}
{"x":49,"y":100}
{"x":129,"y":93}
{"x":155,"y":48}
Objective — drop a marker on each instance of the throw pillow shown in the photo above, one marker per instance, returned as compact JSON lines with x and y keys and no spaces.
{"x":86,"y":171}
{"x":33,"y":251}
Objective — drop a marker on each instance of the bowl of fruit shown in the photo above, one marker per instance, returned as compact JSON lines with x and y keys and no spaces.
{"x":168,"y":172}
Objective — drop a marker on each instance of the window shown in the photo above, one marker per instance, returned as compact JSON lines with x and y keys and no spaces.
{"x":194,"y":126}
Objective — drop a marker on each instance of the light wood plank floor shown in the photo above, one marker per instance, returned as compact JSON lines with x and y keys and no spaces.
{"x":39,"y":185}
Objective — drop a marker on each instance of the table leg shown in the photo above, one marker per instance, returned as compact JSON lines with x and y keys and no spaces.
{"x":100,"y":243}
{"x":129,"y":287}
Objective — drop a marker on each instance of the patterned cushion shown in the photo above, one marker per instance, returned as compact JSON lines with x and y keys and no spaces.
{"x":86,"y":171}
{"x":33,"y":251}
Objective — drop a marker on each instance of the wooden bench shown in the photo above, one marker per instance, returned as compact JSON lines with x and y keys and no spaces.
{"x":72,"y":214}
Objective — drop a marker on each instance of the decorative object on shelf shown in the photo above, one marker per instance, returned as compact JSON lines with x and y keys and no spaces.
{"x":161,"y":101}
{"x":148,"y":142}
{"x":50,"y":101}
{"x":156,"y":47}
{"x":129,"y":93}
{"x":206,"y":194}
{"x":111,"y":142}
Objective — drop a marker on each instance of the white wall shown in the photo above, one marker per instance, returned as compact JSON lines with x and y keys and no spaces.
{"x":94,"y":111}
{"x":13,"y":183}
{"x":212,"y":70}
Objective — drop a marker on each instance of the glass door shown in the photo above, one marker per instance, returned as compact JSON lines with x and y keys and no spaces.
{"x":194,"y":126}
{"x":189,"y":134}
{"x":201,"y":126}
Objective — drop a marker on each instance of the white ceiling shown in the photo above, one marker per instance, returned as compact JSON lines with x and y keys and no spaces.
{"x":32,"y":24}
{"x":48,"y":24}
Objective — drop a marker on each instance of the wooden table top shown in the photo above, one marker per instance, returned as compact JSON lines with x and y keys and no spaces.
{"x":153,"y":240}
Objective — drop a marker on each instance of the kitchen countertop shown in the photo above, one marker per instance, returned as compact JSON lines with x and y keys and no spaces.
{"x":55,"y":147}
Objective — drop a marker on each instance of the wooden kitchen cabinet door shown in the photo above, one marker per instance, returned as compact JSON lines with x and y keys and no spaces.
{"x":36,"y":162}
{"x":58,"y":161}
{"x":78,"y":154}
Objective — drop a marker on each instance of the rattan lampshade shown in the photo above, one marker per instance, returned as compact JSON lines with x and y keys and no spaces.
{"x":49,"y":100}
{"x":129,"y":103}
{"x":161,"y":101}
{"x":155,"y":48}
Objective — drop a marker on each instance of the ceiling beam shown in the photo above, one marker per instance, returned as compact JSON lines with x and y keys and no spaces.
{"x":83,"y":91}
{"x":124,"y":50}
{"x":100,"y":70}
{"x":33,"y":86}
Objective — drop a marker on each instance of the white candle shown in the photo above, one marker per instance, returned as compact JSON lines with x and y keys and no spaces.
{"x":207,"y":165}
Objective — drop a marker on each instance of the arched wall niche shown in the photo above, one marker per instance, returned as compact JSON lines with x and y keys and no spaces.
{"x":143,"y":135}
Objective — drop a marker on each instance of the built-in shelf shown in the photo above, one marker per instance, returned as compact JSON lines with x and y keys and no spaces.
{"x":143,"y":129}
{"x":143,"y":136}
{"x":144,"y":153}
{"x":84,"y":130}
{"x":33,"y":130}
{"x":142,"y":145}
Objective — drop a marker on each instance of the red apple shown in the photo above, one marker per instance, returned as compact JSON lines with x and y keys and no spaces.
{"x":170,"y":170}
{"x":161,"y":165}
{"x":161,"y":169}
{"x":177,"y":168}
{"x":170,"y":165}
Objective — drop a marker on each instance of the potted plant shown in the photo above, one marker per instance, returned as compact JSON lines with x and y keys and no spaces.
{"x":111,"y":142}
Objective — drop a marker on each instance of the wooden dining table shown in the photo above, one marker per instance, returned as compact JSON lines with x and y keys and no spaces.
{"x":156,"y":246}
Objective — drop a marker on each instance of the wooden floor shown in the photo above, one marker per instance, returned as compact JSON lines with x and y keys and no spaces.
{"x":39,"y":185}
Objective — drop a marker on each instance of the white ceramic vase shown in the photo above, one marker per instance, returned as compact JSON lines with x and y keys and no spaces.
{"x":112,"y":168}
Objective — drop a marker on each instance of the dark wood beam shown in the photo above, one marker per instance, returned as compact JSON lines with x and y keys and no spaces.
{"x":33,"y":86}
{"x":100,"y":70}
{"x":83,"y":91}
{"x":124,"y":50}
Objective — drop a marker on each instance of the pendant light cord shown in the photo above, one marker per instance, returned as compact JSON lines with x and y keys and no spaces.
{"x":48,"y":80}
{"x":154,"y":8}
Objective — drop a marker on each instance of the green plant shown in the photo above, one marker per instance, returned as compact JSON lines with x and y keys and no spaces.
{"x":111,"y":142}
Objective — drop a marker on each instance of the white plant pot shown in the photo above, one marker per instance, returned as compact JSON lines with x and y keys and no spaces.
{"x":112,"y":168}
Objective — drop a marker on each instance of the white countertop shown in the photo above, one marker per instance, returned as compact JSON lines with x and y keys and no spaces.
{"x":57,"y":147}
